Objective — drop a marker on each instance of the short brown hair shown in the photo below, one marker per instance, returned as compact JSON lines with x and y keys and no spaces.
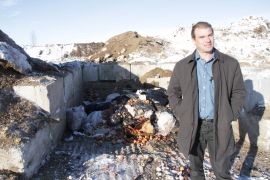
{"x":200,"y":24}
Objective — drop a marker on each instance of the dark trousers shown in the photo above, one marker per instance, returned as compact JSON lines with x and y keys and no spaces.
{"x":205,"y":138}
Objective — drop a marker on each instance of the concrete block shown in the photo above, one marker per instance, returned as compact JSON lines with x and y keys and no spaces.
{"x":264,"y":137}
{"x":69,"y":87}
{"x":263,"y":88}
{"x":256,"y":82}
{"x":255,"y":130}
{"x":46,"y":92}
{"x":54,"y":95}
{"x":166,"y":66}
{"x":90,"y":72}
{"x":11,"y":159}
{"x":122,"y":71}
{"x":73,"y":87}
{"x":78,"y":85}
{"x":27,"y":158}
{"x":107,"y":72}
{"x":257,"y":91}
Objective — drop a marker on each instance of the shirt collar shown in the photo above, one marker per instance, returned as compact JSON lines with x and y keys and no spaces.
{"x":214,"y":55}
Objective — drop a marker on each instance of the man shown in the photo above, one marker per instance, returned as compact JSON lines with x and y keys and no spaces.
{"x":206,"y":92}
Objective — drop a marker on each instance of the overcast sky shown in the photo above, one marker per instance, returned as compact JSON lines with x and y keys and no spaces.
{"x":67,"y":21}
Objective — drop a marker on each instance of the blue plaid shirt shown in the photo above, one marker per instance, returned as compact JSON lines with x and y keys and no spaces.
{"x":206,"y":87}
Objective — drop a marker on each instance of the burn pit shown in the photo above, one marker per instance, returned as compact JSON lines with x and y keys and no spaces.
{"x":142,"y":115}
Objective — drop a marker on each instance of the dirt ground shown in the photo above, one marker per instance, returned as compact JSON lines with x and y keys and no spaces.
{"x":156,"y":72}
{"x":8,"y":77}
{"x":126,"y":43}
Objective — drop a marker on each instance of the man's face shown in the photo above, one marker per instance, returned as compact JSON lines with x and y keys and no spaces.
{"x":204,"y":40}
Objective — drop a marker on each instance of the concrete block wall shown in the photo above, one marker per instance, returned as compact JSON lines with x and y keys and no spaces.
{"x":258,"y":93}
{"x":27,"y":158}
{"x":258,"y":89}
{"x":90,"y":72}
{"x":118,"y":71}
{"x":106,"y":72}
{"x":166,"y":66}
{"x":122,"y":71}
{"x":256,"y":129}
{"x":54,"y":95}
{"x":46,"y":92}
{"x":73,"y":86}
{"x":77,"y":85}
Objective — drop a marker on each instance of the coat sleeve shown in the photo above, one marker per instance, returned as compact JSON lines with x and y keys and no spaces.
{"x":238,"y":92}
{"x":175,"y":92}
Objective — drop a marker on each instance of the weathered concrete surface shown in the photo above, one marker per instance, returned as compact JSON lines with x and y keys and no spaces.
{"x":27,"y":158}
{"x":113,"y":72}
{"x":256,"y":131}
{"x":254,"y":124}
{"x":54,"y":95}
{"x":73,"y":86}
{"x":118,"y":71}
{"x":122,"y":71}
{"x":257,"y":82}
{"x":47,"y":92}
{"x":166,"y":66}
{"x":78,"y":85}
{"x":106,"y":72}
{"x":90,"y":72}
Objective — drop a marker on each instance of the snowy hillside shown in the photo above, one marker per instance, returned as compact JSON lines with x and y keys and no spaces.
{"x":247,"y":40}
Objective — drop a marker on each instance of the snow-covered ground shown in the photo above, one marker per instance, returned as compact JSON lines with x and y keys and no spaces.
{"x":247,"y":40}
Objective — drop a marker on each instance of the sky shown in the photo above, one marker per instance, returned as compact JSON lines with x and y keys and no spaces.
{"x":41,"y":22}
